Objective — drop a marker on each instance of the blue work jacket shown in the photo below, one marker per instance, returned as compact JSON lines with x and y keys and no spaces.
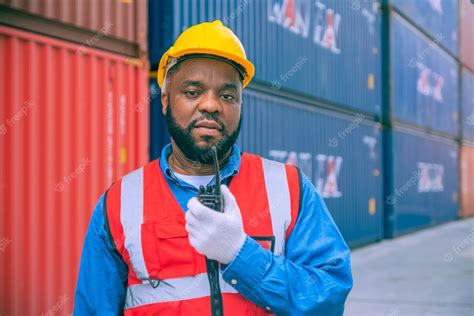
{"x":314,"y":277}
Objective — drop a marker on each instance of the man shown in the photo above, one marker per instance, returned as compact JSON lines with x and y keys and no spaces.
{"x":150,"y":242}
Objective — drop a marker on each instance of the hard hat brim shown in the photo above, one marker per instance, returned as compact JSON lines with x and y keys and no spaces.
{"x":247,"y":66}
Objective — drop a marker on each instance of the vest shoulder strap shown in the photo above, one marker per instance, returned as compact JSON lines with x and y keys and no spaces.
{"x":283,"y":184}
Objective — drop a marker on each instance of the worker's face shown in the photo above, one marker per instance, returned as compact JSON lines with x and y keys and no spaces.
{"x":202,"y":105}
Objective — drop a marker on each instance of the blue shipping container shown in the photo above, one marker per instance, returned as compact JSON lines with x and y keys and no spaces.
{"x":438,"y":18}
{"x":424,"y":80}
{"x":341,"y":154}
{"x":421,"y":181}
{"x":159,"y":135}
{"x":468,"y":104}
{"x":325,"y":49}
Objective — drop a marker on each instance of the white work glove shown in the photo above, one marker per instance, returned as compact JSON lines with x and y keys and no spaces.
{"x":216,"y":235}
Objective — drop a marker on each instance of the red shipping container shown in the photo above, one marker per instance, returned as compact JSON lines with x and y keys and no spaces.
{"x":466,"y":30}
{"x":467,"y":180}
{"x":123,"y":19}
{"x":71,"y":122}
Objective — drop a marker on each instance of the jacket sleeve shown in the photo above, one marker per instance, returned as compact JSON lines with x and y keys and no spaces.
{"x":314,"y":277}
{"x":102,"y":281}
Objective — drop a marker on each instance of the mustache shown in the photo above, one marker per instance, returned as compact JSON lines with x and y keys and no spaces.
{"x":209,"y":117}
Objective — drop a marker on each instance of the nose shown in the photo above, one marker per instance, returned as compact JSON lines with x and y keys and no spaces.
{"x":209,"y":103}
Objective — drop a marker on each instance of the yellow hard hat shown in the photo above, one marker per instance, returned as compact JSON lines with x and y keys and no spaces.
{"x":211,"y":39}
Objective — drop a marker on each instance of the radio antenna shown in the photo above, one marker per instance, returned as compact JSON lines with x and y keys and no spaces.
{"x":216,"y":168}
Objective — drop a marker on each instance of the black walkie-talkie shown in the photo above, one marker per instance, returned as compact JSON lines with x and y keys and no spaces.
{"x":211,"y":197}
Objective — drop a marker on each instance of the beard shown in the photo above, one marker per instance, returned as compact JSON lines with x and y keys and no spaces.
{"x":185,"y":141}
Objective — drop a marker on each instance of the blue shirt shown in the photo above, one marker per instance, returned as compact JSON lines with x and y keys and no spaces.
{"x":314,"y":277}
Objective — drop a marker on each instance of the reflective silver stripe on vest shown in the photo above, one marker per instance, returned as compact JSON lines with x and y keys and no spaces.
{"x":131,"y":217}
{"x":184,"y":288}
{"x":278,"y":193}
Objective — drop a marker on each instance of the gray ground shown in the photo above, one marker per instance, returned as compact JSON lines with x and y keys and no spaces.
{"x":430,"y":272}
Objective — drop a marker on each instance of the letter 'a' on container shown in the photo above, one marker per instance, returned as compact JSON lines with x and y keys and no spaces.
{"x":424,"y":80}
{"x":467,"y":180}
{"x":467,"y":104}
{"x":466,"y":36}
{"x":421,"y":181}
{"x":329,"y":50}
{"x":439,"y":19}
{"x":340,"y":154}
{"x":71,"y":123}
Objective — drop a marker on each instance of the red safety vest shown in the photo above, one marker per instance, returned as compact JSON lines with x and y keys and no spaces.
{"x":147,"y":225}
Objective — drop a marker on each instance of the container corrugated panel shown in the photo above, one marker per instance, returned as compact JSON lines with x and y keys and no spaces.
{"x":339,"y":153}
{"x":466,"y":30}
{"x":126,"y":19}
{"x":324,"y":49}
{"x":438,"y":18}
{"x":423,"y":171}
{"x":159,"y":135}
{"x":467,"y":180}
{"x":467,"y":101}
{"x":70,"y":124}
{"x":424,"y":80}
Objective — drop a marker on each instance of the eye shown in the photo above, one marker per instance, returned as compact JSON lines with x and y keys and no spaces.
{"x":228,"y":97}
{"x":191,"y":93}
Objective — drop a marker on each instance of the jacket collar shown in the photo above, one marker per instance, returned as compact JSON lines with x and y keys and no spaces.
{"x":231,"y":168}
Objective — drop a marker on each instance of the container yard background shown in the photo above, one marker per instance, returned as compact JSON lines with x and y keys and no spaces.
{"x":380,"y":116}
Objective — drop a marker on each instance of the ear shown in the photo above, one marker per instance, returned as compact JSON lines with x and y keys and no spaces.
{"x":164,"y":102}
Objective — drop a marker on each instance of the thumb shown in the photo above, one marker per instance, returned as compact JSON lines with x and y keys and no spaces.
{"x":229,"y":199}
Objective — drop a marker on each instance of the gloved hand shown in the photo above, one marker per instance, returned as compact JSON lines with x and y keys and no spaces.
{"x":216,"y":235}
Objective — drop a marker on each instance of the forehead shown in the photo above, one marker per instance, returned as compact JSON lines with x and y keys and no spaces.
{"x":207,"y":70}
